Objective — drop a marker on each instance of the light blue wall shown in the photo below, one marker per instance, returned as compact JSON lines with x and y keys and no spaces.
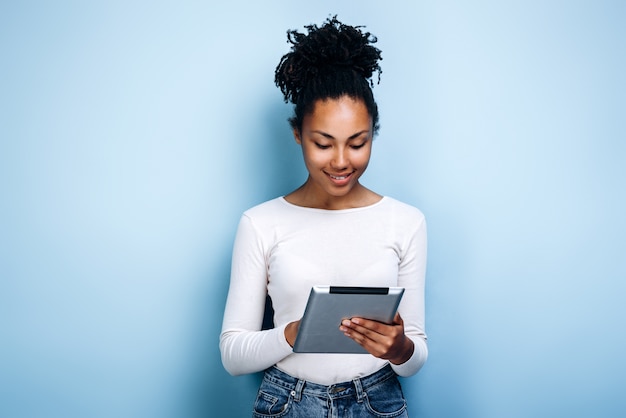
{"x":133,"y":135}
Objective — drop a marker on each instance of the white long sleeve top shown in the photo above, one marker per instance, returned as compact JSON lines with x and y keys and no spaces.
{"x":283,"y":250}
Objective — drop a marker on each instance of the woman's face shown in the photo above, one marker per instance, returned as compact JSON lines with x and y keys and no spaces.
{"x":336,"y":140}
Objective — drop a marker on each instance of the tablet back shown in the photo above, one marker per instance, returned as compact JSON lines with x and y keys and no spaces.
{"x":328,"y":305}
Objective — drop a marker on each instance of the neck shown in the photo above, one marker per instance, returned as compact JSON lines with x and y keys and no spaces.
{"x":308,"y":196}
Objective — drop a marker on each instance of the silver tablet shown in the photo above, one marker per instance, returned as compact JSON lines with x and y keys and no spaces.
{"x":328,"y":305}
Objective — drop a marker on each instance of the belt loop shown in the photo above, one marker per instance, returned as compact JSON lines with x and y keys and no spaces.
{"x":297,"y":392}
{"x":360,"y":394}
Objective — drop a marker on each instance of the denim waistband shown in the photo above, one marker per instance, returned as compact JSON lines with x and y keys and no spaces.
{"x":356,"y":386}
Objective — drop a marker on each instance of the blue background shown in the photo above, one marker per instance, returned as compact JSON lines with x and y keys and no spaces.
{"x":133,"y":135}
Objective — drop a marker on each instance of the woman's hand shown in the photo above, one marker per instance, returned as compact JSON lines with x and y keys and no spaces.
{"x":291,"y":332}
{"x":381,"y":340}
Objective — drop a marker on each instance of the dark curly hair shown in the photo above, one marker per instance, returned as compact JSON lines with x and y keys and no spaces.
{"x":329,"y":62}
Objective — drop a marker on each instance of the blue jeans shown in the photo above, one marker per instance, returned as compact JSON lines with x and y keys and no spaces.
{"x":377,"y":395}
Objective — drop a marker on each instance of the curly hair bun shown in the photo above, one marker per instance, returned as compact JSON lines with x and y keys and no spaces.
{"x":331,"y":48}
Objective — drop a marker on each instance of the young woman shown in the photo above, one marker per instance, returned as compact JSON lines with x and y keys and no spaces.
{"x":332,"y":231}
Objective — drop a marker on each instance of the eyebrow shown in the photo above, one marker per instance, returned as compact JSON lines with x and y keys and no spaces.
{"x":354,"y":136}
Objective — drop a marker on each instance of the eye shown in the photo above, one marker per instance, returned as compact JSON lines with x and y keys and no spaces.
{"x":359,"y":146}
{"x":321,"y":146}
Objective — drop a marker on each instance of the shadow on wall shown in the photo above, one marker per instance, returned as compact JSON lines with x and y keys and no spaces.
{"x":272,"y":167}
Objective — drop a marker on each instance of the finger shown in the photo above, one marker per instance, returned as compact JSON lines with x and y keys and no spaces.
{"x":376,"y":338}
{"x":363,"y":325}
{"x":360,"y":329}
{"x":372,"y":342}
{"x":365,"y":341}
{"x":397,"y":319}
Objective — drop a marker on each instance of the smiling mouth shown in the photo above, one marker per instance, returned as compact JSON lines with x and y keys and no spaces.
{"x":339,"y":178}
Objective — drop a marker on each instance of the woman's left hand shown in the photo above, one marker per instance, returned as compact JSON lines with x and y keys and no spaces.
{"x":381,"y":340}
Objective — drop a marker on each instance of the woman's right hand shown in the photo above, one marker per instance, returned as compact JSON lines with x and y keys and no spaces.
{"x":291,"y":332}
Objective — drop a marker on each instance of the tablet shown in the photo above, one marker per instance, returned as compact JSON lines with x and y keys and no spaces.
{"x":328,"y":305}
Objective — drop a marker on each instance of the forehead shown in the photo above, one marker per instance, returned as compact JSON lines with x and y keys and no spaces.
{"x":341,"y":114}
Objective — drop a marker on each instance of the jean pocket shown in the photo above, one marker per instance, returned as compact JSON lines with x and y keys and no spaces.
{"x":386,"y":399}
{"x":271,"y":402}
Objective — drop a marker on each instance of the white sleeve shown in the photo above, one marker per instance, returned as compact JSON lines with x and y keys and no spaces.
{"x":411,"y":276}
{"x":244,"y":347}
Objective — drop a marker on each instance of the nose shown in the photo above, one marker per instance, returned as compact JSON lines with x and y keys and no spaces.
{"x":340,"y":160}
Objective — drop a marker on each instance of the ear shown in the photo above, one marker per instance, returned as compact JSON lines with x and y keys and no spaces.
{"x":296,"y":135}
